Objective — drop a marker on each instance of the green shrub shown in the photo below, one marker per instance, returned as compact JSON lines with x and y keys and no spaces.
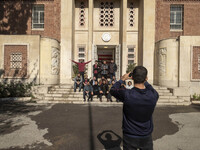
{"x":75,"y":69}
{"x":15,"y":89}
{"x":130,"y":67}
{"x":196,"y":96}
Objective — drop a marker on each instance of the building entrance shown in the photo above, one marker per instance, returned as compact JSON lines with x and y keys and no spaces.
{"x":107,"y":53}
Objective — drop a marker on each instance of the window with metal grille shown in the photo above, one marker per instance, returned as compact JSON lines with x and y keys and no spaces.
{"x":176,"y":17}
{"x":131,"y":14}
{"x":16,"y":61}
{"x":82,"y":14}
{"x":131,"y":55}
{"x":81,"y":54}
{"x":106,"y":14}
{"x":38,"y":17}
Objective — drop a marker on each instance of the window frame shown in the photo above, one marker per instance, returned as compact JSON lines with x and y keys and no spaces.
{"x":175,"y":15}
{"x":130,"y":53}
{"x":39,"y":17}
{"x":79,"y":47}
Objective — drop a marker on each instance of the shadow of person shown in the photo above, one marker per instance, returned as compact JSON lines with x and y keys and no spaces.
{"x":110,"y":140}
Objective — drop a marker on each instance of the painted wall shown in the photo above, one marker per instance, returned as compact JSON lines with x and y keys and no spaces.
{"x":49,"y":61}
{"x":173,"y":64}
{"x":166,"y":63}
{"x":43,"y":58}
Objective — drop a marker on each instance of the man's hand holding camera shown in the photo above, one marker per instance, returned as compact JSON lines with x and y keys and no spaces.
{"x":126,"y":76}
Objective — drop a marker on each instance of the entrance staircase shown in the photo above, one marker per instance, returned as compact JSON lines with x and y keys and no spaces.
{"x":66,"y":94}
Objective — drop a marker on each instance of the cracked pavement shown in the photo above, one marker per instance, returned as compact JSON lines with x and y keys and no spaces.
{"x":29,"y":126}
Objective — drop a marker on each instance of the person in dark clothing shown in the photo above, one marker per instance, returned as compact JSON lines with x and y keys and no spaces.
{"x":96,"y":69}
{"x":96,"y":90}
{"x":87,"y":92}
{"x":85,"y":80}
{"x":81,"y":66}
{"x":92,"y":82}
{"x":104,"y":69}
{"x":113,"y":79}
{"x":78,"y":82}
{"x":138,"y":106}
{"x":112,"y":69}
{"x":104,"y":90}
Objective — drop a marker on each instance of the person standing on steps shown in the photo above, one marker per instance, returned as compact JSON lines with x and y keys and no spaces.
{"x":112,"y":69}
{"x":104,"y":69}
{"x":138,"y":107}
{"x":81,"y":66}
{"x":96,"y":69}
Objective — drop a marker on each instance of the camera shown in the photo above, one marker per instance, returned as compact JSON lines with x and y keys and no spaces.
{"x":131,"y":74}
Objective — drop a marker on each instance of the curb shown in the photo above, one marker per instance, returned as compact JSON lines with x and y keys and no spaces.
{"x":16,"y":99}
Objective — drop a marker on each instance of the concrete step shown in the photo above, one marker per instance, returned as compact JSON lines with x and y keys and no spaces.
{"x":72,"y":98}
{"x":163,"y":91}
{"x":65,"y":86}
{"x":165,"y":94}
{"x":161,"y":100}
{"x":80,"y":98}
{"x":174,"y":104}
{"x":107,"y":103}
{"x":61,"y":90}
{"x":167,"y":97}
{"x":159,"y":88}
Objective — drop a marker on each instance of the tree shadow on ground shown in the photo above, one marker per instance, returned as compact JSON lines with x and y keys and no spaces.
{"x":110,"y":140}
{"x":13,"y":107}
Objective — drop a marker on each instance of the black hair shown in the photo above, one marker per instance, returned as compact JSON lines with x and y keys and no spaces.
{"x":139,"y":74}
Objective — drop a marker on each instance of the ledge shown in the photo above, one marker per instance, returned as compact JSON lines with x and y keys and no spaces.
{"x":16,"y":99}
{"x":196,"y":102}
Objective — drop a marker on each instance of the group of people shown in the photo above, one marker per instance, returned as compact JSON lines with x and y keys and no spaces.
{"x":100,"y":84}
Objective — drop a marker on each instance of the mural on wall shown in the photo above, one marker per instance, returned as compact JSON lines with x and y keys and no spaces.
{"x":162,"y":60}
{"x":55,"y":61}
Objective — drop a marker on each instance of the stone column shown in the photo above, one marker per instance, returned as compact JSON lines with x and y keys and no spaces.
{"x":149,"y":36}
{"x":124,"y":35}
{"x":66,"y":41}
{"x":90,"y":36}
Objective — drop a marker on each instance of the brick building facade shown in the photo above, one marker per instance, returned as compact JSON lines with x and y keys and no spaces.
{"x":190,"y":18}
{"x":16,"y":18}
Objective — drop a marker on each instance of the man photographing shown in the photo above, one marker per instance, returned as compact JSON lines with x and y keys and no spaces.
{"x":138,"y":107}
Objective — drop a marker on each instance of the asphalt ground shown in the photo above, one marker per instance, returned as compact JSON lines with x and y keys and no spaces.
{"x":25,"y":126}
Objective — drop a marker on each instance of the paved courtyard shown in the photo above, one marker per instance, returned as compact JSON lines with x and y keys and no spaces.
{"x":28,"y":126}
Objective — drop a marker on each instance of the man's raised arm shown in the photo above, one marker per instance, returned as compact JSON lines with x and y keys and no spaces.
{"x":88,"y":62}
{"x":149,"y":86}
{"x":74,"y":61}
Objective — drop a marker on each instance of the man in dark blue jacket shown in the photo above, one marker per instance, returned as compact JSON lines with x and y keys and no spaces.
{"x":138,"y":107}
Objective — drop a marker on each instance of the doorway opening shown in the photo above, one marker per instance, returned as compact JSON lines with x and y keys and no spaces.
{"x":106,"y":54}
